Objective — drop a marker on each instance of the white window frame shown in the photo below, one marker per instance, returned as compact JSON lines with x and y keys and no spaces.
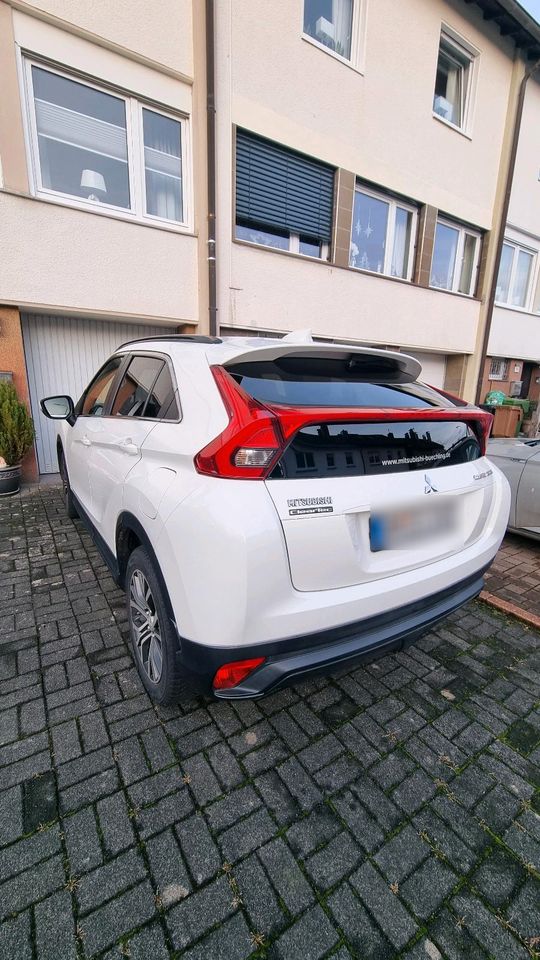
{"x":358,"y":38}
{"x":461,"y":50}
{"x":393,"y":206}
{"x":136,"y":212}
{"x":498,"y":369}
{"x":294,"y":244}
{"x":463,"y":232}
{"x":518,"y":247}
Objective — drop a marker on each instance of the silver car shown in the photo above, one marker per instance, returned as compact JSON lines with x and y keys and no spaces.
{"x":519,"y":460}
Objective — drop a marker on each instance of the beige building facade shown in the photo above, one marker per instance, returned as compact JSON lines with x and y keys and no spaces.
{"x":361,"y":156}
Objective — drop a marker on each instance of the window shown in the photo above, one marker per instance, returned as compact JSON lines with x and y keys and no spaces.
{"x":383,"y":234}
{"x":515,"y":275}
{"x":93,"y":400}
{"x":498,"y":369}
{"x":330,"y":23}
{"x":455,"y":258}
{"x":105,"y":151}
{"x":146,"y":391}
{"x":283,"y":198}
{"x":454,"y":79}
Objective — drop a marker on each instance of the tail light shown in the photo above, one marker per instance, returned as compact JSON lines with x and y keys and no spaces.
{"x":252,"y":441}
{"x":257,"y":434}
{"x":231,"y":674}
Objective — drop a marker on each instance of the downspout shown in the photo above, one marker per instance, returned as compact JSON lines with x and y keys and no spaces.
{"x":211,"y":167}
{"x":502,"y":225}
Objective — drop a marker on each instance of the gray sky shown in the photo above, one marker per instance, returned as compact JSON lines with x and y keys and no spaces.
{"x":533,"y":7}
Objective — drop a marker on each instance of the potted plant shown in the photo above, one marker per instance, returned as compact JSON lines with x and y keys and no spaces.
{"x":16,"y":438}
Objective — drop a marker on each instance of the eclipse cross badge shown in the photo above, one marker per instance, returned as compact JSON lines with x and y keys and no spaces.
{"x":429,"y":488}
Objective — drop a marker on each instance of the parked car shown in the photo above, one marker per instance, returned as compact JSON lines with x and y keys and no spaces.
{"x":278,"y":508}
{"x":519,"y":460}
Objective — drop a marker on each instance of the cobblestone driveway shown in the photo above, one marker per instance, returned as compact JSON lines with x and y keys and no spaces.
{"x":388,"y":812}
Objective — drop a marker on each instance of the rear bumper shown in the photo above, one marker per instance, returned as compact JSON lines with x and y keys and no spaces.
{"x":295,"y":659}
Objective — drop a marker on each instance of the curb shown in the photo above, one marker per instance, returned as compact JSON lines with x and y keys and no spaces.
{"x":506,"y":607}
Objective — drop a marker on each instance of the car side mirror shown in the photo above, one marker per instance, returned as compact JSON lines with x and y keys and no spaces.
{"x":58,"y":408}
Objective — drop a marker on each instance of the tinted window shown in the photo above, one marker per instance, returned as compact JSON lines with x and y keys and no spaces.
{"x":136,"y":386}
{"x":95,"y":397}
{"x":358,"y":449}
{"x":162,"y":403}
{"x":347,"y":381}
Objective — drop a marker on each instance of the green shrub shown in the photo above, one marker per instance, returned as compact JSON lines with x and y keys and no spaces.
{"x":16,"y":427}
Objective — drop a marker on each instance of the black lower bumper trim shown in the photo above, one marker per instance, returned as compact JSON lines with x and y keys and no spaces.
{"x":295,"y":659}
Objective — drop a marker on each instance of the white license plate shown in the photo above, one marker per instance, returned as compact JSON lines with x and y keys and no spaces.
{"x":406,"y":528}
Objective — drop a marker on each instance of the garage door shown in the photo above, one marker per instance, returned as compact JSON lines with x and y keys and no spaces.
{"x":433,"y":367}
{"x":62,"y":355}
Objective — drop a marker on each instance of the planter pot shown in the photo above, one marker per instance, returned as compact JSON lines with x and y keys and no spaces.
{"x":10,"y":480}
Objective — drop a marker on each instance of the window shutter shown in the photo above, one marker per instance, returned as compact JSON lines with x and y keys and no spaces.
{"x":277,"y":187}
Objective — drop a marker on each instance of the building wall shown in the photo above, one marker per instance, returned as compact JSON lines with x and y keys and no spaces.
{"x":378,"y":124}
{"x":53,"y":255}
{"x":524,"y":207}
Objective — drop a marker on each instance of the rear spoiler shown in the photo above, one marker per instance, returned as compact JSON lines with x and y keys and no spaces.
{"x":382,"y":366}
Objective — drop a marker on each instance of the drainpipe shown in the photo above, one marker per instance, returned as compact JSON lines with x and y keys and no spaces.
{"x":502,"y":226}
{"x":211,"y":167}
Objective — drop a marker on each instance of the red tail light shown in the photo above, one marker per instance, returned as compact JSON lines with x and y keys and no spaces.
{"x":231,"y":674}
{"x":257,"y":434}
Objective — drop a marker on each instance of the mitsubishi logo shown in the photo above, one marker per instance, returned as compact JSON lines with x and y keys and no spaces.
{"x":429,"y":488}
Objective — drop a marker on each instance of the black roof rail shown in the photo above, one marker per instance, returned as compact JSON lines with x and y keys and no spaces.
{"x":189,"y":337}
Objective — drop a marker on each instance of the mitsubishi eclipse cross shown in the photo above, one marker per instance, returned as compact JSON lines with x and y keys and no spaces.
{"x":276,"y":508}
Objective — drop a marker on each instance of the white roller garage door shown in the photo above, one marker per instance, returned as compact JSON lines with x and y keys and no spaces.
{"x":433,"y":367}
{"x":62,"y":355}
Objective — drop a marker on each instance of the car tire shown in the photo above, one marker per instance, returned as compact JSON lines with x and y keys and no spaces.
{"x":71,"y":509}
{"x":152,"y":634}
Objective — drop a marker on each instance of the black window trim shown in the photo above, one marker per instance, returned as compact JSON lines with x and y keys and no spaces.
{"x":169,"y":364}
{"x":126,"y":359}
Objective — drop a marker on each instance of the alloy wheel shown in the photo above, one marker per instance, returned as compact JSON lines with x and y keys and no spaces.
{"x":145,"y":625}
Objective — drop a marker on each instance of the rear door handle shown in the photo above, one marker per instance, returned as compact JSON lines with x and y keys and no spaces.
{"x":127,"y":446}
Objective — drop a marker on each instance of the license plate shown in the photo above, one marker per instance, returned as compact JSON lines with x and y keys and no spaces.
{"x":408,"y":528}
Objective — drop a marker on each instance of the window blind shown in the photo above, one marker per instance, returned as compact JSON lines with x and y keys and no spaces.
{"x":277,"y":187}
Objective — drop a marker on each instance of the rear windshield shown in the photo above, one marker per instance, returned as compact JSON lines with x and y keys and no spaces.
{"x":358,"y":449}
{"x":340,"y":382}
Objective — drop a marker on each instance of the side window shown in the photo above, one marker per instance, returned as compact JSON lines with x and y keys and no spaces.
{"x":162,"y":403}
{"x":137,"y":383}
{"x":95,"y":397}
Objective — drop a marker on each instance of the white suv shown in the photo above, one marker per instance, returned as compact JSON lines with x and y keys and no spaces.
{"x":276,"y":508}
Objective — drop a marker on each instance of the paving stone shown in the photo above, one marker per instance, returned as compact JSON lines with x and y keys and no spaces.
{"x":16,"y":938}
{"x":28,"y":887}
{"x":334,"y":862}
{"x":232,"y":808}
{"x":365,"y":937}
{"x":198,"y":848}
{"x":277,"y":797}
{"x":397,"y":924}
{"x":117,"y":918}
{"x":392,"y":769}
{"x":428,"y":886}
{"x":115,"y":823}
{"x":286,"y":876}
{"x":413,"y":792}
{"x":225,"y":766}
{"x":200,"y":912}
{"x":498,"y":808}
{"x":203,"y":782}
{"x":363,"y":826}
{"x":300,"y":784}
{"x":310,"y":937}
{"x":89,"y":790}
{"x":243,"y":837}
{"x":11,"y":815}
{"x":105,"y":882}
{"x":258,"y":897}
{"x":305,"y":836}
{"x":443,"y":839}
{"x":402,"y":854}
{"x":168,"y":869}
{"x":486,"y":929}
{"x":148,"y":943}
{"x":231,"y":941}
{"x":524,"y":912}
{"x":55,"y":928}
{"x":498,"y":876}
{"x":164,"y":813}
{"x":82,"y":841}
